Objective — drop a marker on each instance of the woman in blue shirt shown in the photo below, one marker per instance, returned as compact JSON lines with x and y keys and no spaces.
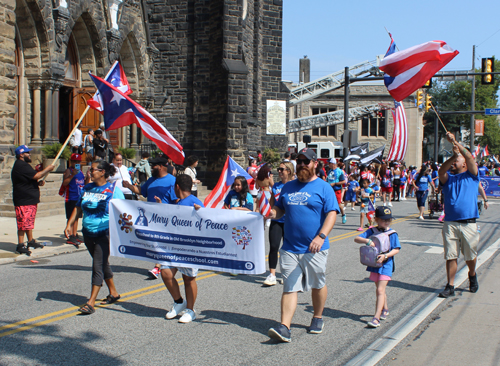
{"x":421,"y":185}
{"x":94,"y":203}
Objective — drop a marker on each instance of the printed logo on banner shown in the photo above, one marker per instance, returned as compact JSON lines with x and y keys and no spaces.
{"x":241,"y":235}
{"x":125,"y":223}
{"x":142,"y":220}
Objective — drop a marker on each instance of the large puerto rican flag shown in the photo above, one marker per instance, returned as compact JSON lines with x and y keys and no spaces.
{"x":400,"y":135}
{"x":410,"y":69}
{"x":120,"y":111}
{"x":230,"y":171}
{"x":116,"y":77}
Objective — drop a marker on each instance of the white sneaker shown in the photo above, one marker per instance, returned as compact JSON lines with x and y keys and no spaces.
{"x":390,"y":204}
{"x":176,"y":309}
{"x":385,"y":204}
{"x":420,"y":218}
{"x":353,"y":209}
{"x":270,"y":280}
{"x":188,"y":316}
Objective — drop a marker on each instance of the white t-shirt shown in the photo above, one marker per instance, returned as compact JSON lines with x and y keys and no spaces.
{"x":192,"y":173}
{"x":118,"y":178}
{"x":78,"y":137}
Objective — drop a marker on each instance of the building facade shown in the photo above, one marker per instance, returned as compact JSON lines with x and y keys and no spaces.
{"x":203,"y":68}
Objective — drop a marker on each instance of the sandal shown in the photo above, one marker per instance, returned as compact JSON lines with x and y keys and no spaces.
{"x":374,"y":323}
{"x":110,"y":300}
{"x":87,"y":309}
{"x":385,"y":314}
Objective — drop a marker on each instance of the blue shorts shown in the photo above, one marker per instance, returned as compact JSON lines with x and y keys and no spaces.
{"x":421,"y":197}
{"x":350,"y":196}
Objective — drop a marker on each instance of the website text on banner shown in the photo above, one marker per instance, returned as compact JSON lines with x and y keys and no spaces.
{"x":491,"y":186}
{"x":213,"y":239}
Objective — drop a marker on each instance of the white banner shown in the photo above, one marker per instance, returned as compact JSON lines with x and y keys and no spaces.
{"x":214,"y":239}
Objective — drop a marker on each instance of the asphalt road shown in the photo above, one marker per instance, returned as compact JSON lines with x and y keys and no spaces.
{"x":39,"y":322}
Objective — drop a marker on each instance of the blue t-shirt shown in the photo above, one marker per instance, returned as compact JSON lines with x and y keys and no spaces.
{"x":423,"y":182}
{"x":94,"y":202}
{"x":483,"y":171}
{"x":460,"y":196}
{"x":233,"y":200}
{"x":190,"y":201}
{"x":306,"y":206}
{"x":334,"y":176}
{"x":388,"y":266}
{"x":276,"y":193}
{"x":163,"y":188}
{"x":352,"y":185}
{"x":366,"y":191}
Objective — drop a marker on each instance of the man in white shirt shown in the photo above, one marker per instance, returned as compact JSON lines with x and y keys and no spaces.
{"x":121,"y":175}
{"x":76,"y":142}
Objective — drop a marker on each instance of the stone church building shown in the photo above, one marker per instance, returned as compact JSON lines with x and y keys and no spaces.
{"x":204,"y":68}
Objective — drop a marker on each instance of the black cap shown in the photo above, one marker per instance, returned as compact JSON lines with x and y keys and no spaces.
{"x":308,"y":153}
{"x":383,"y":213}
{"x":159,"y":161}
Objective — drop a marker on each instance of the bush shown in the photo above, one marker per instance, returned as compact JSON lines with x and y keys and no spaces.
{"x":271,"y":156}
{"x":128,"y":153}
{"x":51,"y":151}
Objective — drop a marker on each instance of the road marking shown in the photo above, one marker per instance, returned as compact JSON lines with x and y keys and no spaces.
{"x":434,"y":248}
{"x":52,"y":317}
{"x":382,"y":346}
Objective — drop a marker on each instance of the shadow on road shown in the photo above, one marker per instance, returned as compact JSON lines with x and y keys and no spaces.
{"x":259,"y":325}
{"x":403,"y":285}
{"x":73,"y":299}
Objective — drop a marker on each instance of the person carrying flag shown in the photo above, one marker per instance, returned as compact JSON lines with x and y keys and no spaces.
{"x":311,"y":210}
{"x":336,"y":179}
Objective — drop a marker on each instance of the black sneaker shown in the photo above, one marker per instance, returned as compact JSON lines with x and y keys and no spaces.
{"x":33,"y":244}
{"x":473,"y":284}
{"x":21,"y":249}
{"x":282,"y":333}
{"x":448,"y":291}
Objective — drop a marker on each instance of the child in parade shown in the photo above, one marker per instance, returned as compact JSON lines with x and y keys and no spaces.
{"x":366,"y":193}
{"x":183,"y":185}
{"x":382,"y":275}
{"x":352,"y":189}
{"x":239,"y":198}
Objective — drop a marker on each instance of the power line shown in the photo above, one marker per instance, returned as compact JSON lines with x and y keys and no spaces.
{"x":488,"y":38}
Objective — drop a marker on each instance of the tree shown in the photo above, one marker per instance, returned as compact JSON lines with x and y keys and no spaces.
{"x":456,"y":96}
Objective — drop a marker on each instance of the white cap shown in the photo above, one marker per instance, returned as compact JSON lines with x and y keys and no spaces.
{"x":333,"y":161}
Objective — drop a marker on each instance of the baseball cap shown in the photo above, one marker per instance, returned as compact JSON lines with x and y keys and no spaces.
{"x":76,"y":157}
{"x":308,"y":153}
{"x":333,"y":161}
{"x":383,"y":213}
{"x":159,"y":161}
{"x":22,"y":149}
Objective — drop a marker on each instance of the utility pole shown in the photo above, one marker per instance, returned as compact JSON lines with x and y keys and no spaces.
{"x":473,"y":101}
{"x":347,"y":136}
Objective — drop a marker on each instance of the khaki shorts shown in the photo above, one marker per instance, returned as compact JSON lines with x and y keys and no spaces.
{"x":190,"y":272}
{"x":301,"y":272}
{"x":458,"y":237}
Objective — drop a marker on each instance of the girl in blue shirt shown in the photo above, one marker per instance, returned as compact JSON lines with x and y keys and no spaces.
{"x":239,"y":198}
{"x":421,"y":185}
{"x":94,"y":203}
{"x":381,"y":275}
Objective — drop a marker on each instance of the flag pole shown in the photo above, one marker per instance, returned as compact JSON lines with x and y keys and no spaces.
{"x":440,"y":120}
{"x":69,"y":137}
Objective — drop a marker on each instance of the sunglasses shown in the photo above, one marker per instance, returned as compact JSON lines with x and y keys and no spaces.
{"x":303,"y":161}
{"x":281,"y":169}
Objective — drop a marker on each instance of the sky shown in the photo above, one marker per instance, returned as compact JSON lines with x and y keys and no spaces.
{"x":337,"y":33}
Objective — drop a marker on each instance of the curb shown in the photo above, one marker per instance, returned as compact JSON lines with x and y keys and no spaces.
{"x":43,"y":253}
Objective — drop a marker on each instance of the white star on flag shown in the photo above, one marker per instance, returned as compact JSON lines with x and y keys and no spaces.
{"x":234,"y":173}
{"x":116,"y":97}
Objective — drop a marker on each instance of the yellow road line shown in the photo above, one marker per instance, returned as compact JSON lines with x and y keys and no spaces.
{"x":137,"y":293}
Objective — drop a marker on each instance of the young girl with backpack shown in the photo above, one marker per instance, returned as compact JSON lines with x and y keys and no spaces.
{"x":383,"y":274}
{"x":239,"y":198}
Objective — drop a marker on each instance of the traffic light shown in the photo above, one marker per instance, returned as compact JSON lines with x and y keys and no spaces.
{"x":488,"y":65}
{"x":427,"y":102}
{"x":428,"y":84}
{"x":420,"y":98}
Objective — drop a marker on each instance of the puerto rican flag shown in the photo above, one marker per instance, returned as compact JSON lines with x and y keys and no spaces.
{"x":264,"y":206}
{"x":120,"y":111}
{"x":230,"y":171}
{"x":485,"y":152}
{"x":477,"y":151}
{"x":410,"y":69}
{"x":116,"y":77}
{"x":400,"y":136}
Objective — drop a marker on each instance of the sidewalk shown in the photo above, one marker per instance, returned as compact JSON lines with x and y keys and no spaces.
{"x":46,"y":229}
{"x":465,"y":332}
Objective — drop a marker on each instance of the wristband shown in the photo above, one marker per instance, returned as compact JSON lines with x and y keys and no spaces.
{"x":368,"y":243}
{"x":485,"y":200}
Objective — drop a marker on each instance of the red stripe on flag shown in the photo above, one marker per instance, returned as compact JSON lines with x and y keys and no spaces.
{"x":216,"y":198}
